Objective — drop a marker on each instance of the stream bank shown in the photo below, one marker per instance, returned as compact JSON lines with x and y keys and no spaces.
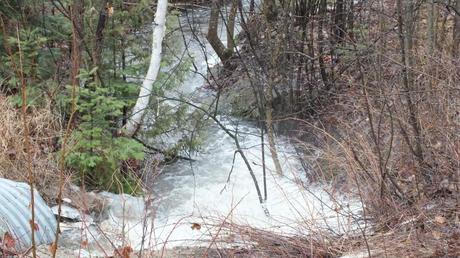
{"x":211,"y":201}
{"x":217,"y":185}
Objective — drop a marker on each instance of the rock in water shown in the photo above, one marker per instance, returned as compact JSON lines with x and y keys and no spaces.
{"x":123,"y":206}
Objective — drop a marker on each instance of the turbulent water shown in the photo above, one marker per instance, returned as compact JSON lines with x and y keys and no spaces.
{"x":218,"y":185}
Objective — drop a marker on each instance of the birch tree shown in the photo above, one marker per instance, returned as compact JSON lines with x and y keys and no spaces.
{"x":158,"y":27}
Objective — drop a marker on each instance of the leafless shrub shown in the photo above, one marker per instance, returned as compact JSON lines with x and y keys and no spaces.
{"x":368,"y":142}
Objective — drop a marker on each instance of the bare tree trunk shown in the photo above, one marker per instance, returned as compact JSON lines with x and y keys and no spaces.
{"x":231,"y":26}
{"x":431,"y":40}
{"x":431,"y":27}
{"x":99,"y":36}
{"x":264,"y":170}
{"x":212,"y":36}
{"x":159,"y":27}
{"x":270,"y":10}
{"x":310,"y":66}
{"x":76,"y":12}
{"x":270,"y":133}
{"x":275,"y":47}
{"x":456,"y":34}
{"x":252,"y":6}
{"x":123,"y":75}
{"x":322,"y":68}
{"x":351,"y":19}
{"x":339,"y":21}
{"x":405,"y":24}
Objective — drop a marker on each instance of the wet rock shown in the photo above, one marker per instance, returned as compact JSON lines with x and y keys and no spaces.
{"x":238,"y":98}
{"x":90,"y":203}
{"x":123,"y":206}
{"x":81,"y":239}
{"x":68,"y":213}
{"x":97,"y":224}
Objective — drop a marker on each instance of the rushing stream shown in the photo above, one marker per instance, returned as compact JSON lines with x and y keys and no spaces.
{"x":218,"y":185}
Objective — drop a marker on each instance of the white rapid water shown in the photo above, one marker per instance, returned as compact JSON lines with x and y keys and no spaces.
{"x":204,"y":191}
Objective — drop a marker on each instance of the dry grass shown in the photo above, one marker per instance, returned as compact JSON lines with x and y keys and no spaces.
{"x":44,"y":132}
{"x":432,"y":232}
{"x":269,"y":244}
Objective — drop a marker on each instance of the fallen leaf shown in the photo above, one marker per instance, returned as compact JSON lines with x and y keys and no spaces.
{"x":196,"y":226}
{"x":439,"y":219}
{"x":8,"y":241}
{"x":33,"y":225}
{"x":437,"y":235}
{"x":52,"y":248}
{"x":123,"y":252}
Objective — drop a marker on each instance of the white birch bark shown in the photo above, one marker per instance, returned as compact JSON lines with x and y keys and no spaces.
{"x":159,"y":27}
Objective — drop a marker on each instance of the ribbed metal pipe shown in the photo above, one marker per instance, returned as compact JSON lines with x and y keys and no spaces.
{"x":15,"y":214}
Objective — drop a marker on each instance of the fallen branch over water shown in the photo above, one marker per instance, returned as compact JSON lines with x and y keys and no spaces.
{"x":168,"y":156}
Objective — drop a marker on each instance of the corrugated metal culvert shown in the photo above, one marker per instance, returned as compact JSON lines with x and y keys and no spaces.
{"x":15,"y":215}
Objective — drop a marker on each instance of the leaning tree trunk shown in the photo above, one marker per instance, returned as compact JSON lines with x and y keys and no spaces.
{"x":223,"y":52}
{"x":159,"y":27}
